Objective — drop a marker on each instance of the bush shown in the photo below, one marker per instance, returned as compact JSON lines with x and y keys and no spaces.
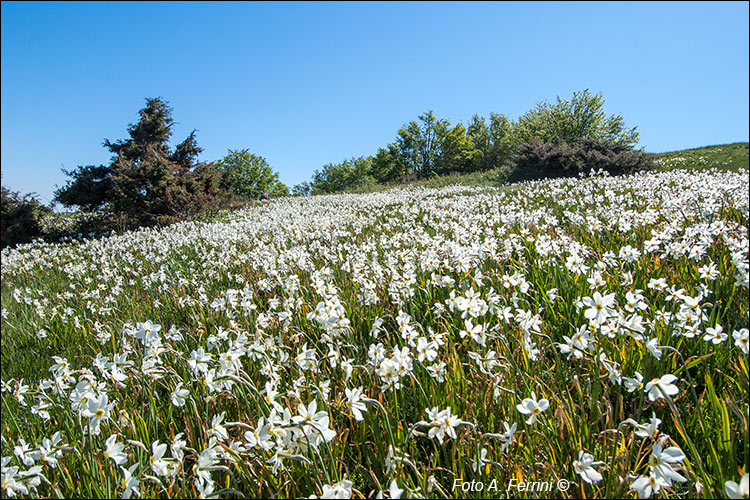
{"x":20,"y":220}
{"x":536,"y":160}
{"x":71,"y":225}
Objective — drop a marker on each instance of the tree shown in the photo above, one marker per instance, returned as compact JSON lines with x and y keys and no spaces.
{"x":145,"y":180}
{"x":388,"y":164}
{"x":420,"y":145}
{"x":304,"y":188}
{"x":349,"y":174}
{"x":143,"y":169}
{"x":90,"y":188}
{"x":493,"y":144}
{"x":250,"y":175}
{"x":456,"y":151}
{"x":570,"y":121}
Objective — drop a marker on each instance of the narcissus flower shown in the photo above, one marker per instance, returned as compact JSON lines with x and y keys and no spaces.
{"x":584,"y":467}
{"x":658,"y":387}
{"x":530,"y":406}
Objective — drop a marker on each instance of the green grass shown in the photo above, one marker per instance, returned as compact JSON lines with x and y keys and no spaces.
{"x":724,"y":157}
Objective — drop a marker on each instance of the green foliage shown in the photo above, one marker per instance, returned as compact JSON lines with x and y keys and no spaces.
{"x":146,"y":182}
{"x":68,"y":226}
{"x":420,"y":145}
{"x":90,"y":187}
{"x":425,"y":148}
{"x":302,"y":189}
{"x":493,"y":144}
{"x":457,"y":151}
{"x":431,"y":146}
{"x":388,"y":164}
{"x":249,"y":175}
{"x":570,"y":121}
{"x":347,"y":175}
{"x":538,"y":160}
{"x":20,"y":219}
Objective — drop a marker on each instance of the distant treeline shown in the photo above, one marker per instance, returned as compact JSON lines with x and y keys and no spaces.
{"x":565,"y":137}
{"x":149,"y":183}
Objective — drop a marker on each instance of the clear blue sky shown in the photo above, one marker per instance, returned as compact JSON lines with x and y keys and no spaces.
{"x":305,"y":84}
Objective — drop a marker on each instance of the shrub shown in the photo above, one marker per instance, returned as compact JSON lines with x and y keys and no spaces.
{"x":536,"y":160}
{"x":57,"y":227}
{"x":20,"y":220}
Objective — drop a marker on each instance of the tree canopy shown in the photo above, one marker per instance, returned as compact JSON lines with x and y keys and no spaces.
{"x":247,"y":174}
{"x":146,"y":180}
{"x":581,"y":117}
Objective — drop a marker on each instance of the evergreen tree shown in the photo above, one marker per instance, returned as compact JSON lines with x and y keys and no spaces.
{"x":145,"y":180}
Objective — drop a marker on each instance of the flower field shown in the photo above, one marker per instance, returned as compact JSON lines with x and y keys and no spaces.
{"x":589,"y":336}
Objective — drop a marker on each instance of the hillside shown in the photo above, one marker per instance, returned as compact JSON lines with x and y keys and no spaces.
{"x":732,"y":157}
{"x":590,"y":333}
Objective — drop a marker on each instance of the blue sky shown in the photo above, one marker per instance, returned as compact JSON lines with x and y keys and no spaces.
{"x":305,"y":84}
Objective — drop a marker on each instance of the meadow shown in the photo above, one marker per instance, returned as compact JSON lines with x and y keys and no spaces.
{"x":569,"y":338}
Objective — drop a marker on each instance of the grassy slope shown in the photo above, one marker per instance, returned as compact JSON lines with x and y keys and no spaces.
{"x":732,"y":157}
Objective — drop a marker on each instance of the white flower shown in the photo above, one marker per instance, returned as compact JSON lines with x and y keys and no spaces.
{"x":599,"y":307}
{"x":128,"y":483}
{"x":530,"y":406}
{"x":649,"y":430}
{"x":741,"y":340}
{"x":23,"y":452}
{"x":261,"y":436}
{"x":157,"y":462}
{"x":578,"y":344}
{"x":633,"y":384}
{"x":218,"y":430}
{"x":426,"y":349}
{"x":661,"y":461}
{"x":342,"y":489}
{"x":206,"y":460}
{"x":741,"y":490}
{"x":442,"y":422}
{"x":113,"y":450}
{"x":48,"y":452}
{"x":584,"y":467}
{"x":9,"y":482}
{"x":648,"y":485}
{"x":653,"y":347}
{"x":179,"y":394}
{"x":97,"y":409}
{"x":507,"y":436}
{"x":204,"y":487}
{"x":395,"y":492}
{"x":665,"y":384}
{"x":177,"y":445}
{"x":355,"y":402}
{"x":715,"y":335}
{"x":314,"y":424}
{"x":477,"y":465}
